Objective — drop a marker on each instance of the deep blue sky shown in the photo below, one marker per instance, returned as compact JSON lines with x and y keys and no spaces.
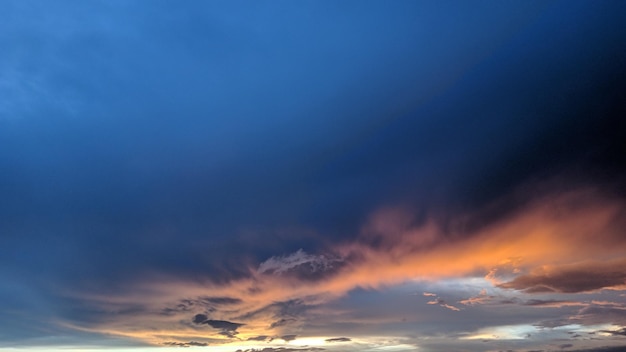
{"x":146,"y":142}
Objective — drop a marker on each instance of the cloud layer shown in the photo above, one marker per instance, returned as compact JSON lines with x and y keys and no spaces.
{"x":284,"y":176}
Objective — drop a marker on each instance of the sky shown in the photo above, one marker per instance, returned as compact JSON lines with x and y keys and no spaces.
{"x":312,"y":176}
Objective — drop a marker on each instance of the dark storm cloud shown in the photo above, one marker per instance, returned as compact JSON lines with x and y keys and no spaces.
{"x":179,"y":133}
{"x":572,"y":279}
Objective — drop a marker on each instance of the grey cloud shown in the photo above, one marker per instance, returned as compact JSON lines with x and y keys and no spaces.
{"x":187,"y":305}
{"x":549,"y":302}
{"x":200,"y":318}
{"x":186,"y":344}
{"x":572,"y":279}
{"x":302,"y":265}
{"x":222,"y":300}
{"x":283,"y":349}
{"x":281,"y":322}
{"x":223,"y":324}
{"x":601,"y":315}
{"x":229,"y":333}
{"x":206,"y":303}
{"x":339,"y":339}
{"x":260,"y":338}
{"x":290,"y":309}
{"x":228,"y":329}
{"x":289,"y":337}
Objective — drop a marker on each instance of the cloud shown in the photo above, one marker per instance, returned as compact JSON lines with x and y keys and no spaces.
{"x":222,"y":300}
{"x":288,"y":338}
{"x":222,"y":324}
{"x":574,"y":278}
{"x":283,"y":349}
{"x":186,"y":344}
{"x":339,"y":339}
{"x":302,"y":265}
{"x":200,"y":318}
{"x":602,"y":349}
{"x":598,"y":314}
{"x":228,"y":329}
{"x":392,"y":251}
{"x":482,"y":298}
{"x":281,"y":322}
{"x":553,"y":303}
{"x":620,"y":332}
{"x":441,"y":302}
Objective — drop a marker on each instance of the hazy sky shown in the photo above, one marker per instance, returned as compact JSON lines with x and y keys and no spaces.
{"x":338,"y":176}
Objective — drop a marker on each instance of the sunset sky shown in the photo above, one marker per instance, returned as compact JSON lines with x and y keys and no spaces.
{"x":313,"y":176}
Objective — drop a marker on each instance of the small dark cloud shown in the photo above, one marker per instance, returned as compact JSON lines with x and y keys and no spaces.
{"x":174,"y":344}
{"x":206,"y":303}
{"x":223,"y":324}
{"x":200,"y":318}
{"x":547,"y":302}
{"x":565,"y":345}
{"x":289,"y":337}
{"x":281,"y":322}
{"x":339,"y":339}
{"x":260,"y":338}
{"x":222,"y":300}
{"x":283,"y":349}
{"x":231,"y":334}
{"x":186,"y":344}
{"x":195,"y":343}
{"x":228,"y":328}
{"x":572,"y":279}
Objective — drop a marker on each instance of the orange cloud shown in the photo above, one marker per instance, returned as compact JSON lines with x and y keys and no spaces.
{"x":553,"y":232}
